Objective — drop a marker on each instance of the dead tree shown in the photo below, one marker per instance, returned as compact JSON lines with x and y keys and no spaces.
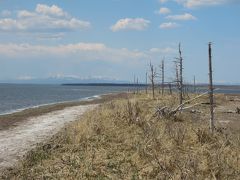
{"x":177,"y":83}
{"x":152,"y":77}
{"x":134,"y":80}
{"x":146,"y":82}
{"x":137,"y":86}
{"x":194,"y":85}
{"x":211,"y":88}
{"x":180,"y":75}
{"x":170,"y":88}
{"x":177,"y":74}
{"x":162,"y":75}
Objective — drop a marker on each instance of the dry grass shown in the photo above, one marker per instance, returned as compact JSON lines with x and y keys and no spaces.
{"x":122,"y":139}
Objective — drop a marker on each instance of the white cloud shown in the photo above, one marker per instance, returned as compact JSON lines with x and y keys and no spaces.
{"x":130,"y":24}
{"x":43,"y":19}
{"x":8,"y":24}
{"x":78,"y":59}
{"x":50,"y":10}
{"x":164,"y":10}
{"x":200,"y":3}
{"x":169,"y":25}
{"x":28,"y":49}
{"x":182,"y":17}
{"x":25,"y":14}
{"x":83,"y":51}
{"x":166,"y":50}
{"x":49,"y":36}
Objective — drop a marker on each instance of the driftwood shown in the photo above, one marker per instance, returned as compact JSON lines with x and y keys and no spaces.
{"x":162,"y":112}
{"x":180,"y":107}
{"x":188,"y":107}
{"x":168,"y":112}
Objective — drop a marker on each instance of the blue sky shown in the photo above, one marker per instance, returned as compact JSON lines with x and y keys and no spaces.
{"x":115,"y":39}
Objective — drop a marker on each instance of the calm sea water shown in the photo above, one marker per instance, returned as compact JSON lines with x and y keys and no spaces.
{"x":17,"y":97}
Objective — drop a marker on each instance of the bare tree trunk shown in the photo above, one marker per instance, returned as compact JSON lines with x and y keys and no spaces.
{"x":146,"y":83}
{"x":170,"y":88}
{"x":152,"y":77}
{"x":134,"y":84}
{"x":211,"y":88}
{"x":162,"y":69}
{"x":181,"y":75}
{"x":194,"y":84}
{"x":177,"y":75}
{"x":137,"y":86}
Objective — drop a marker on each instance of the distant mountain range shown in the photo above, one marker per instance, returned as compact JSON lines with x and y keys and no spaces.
{"x":63,"y":80}
{"x":74,"y":80}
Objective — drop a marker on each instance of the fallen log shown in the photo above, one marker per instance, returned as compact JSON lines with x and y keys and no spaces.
{"x":168,"y":112}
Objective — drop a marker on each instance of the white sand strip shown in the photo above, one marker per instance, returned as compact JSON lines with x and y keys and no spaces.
{"x":15,"y":142}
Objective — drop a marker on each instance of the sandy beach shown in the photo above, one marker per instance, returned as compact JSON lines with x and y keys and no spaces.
{"x":22,"y":131}
{"x":15,"y":142}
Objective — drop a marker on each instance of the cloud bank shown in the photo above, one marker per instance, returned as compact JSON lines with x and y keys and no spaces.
{"x":84,"y":51}
{"x":43,"y":19}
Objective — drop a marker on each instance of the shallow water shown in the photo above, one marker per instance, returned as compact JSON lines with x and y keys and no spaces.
{"x":15,"y":97}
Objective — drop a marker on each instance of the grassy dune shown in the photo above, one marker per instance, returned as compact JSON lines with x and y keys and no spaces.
{"x":125,"y":139}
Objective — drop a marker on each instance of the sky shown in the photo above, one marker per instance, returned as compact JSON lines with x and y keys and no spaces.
{"x":116,"y":39}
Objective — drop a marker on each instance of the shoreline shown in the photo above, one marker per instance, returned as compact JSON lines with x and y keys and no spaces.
{"x":90,"y":98}
{"x":26,"y":129}
{"x":16,"y":142}
{"x":11,"y":120}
